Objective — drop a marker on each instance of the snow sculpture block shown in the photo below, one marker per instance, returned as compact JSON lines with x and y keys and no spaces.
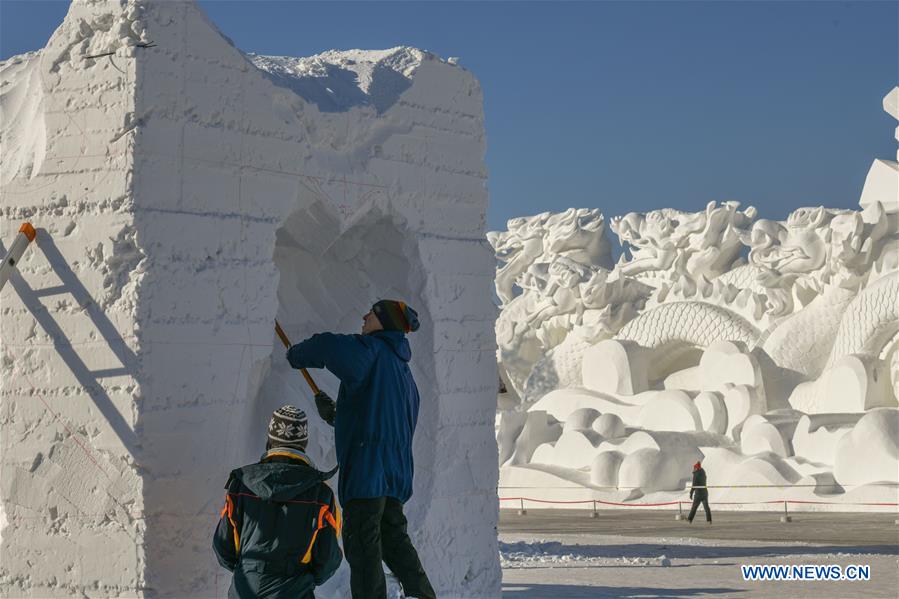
{"x":816,"y":436}
{"x":741,"y":402}
{"x":560,"y":368}
{"x":894,"y":372}
{"x":853,"y":384}
{"x":891,"y":107}
{"x":724,"y":363}
{"x":645,"y":469}
{"x":657,"y":461}
{"x":610,"y":426}
{"x":882,"y":185}
{"x":712,"y":411}
{"x":605,"y":467}
{"x":670,"y":411}
{"x":728,"y":467}
{"x":891,"y":104}
{"x":869,"y":452}
{"x":510,"y":426}
{"x":581,"y":419}
{"x":539,"y":428}
{"x":562,"y":402}
{"x":613,"y":366}
{"x":759,"y":436}
{"x":186,"y":195}
{"x":507,"y":398}
{"x":574,"y":449}
{"x":688,"y":379}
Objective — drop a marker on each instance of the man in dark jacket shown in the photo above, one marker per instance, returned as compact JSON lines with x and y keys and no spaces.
{"x":374,"y":421}
{"x":699,"y":493}
{"x":278,"y":530}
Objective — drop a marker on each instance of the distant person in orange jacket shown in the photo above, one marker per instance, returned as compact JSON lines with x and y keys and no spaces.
{"x":699,"y":493}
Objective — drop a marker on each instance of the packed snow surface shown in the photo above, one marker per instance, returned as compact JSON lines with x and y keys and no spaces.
{"x":595,"y":565}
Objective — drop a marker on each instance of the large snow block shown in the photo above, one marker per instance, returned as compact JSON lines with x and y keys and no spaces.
{"x":670,"y":411}
{"x":816,"y":436}
{"x":618,"y":367}
{"x":726,"y":363}
{"x":882,"y":185}
{"x":869,"y":452}
{"x":186,"y":196}
{"x":539,"y":428}
{"x":853,"y":384}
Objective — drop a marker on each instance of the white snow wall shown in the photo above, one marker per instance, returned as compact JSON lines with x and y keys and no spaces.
{"x":184,"y":200}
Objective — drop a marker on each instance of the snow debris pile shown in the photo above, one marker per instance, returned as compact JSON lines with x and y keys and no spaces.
{"x":524,"y":554}
{"x":768,"y":350}
{"x":186,"y":196}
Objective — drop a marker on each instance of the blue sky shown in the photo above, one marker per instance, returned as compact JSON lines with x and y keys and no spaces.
{"x":621,"y":106}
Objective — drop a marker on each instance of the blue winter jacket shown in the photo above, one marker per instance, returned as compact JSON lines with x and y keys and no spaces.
{"x":377,"y":409}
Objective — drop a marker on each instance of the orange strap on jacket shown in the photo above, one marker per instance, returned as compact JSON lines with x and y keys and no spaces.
{"x":324,"y":517}
{"x":321,"y":524}
{"x":334,"y":519}
{"x":228,"y":510}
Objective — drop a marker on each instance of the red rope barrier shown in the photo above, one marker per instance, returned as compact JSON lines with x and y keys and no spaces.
{"x":590,"y":501}
{"x":840,"y":503}
{"x":638,"y":504}
{"x":542,"y":500}
{"x":778,"y":501}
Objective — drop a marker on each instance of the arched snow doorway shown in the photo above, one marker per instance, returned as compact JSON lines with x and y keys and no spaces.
{"x":330,"y":274}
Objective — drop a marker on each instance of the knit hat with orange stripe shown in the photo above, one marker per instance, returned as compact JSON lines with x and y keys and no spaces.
{"x":395,"y":315}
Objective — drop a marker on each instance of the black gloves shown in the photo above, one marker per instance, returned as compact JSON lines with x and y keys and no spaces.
{"x":326,"y":406}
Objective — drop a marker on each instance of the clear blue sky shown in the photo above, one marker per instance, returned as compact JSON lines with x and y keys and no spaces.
{"x":621,"y":106}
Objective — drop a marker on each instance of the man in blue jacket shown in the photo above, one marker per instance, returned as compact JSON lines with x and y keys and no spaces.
{"x":374,"y":421}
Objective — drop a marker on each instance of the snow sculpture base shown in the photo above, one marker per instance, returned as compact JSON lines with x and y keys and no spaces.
{"x":185,"y":199}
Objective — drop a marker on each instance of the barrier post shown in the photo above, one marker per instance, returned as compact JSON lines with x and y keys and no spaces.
{"x":595,"y":514}
{"x":680,"y":512}
{"x":522,"y":511}
{"x":786,"y":517}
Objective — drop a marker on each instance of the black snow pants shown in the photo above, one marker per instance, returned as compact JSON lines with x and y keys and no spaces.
{"x":700,"y":496}
{"x":374,"y":530}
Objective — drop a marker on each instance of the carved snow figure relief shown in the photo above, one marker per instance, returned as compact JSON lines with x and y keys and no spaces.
{"x":768,"y":348}
{"x":665,"y":241}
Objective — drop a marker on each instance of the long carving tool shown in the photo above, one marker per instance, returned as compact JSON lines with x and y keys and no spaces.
{"x":326,"y":407}
{"x":283,"y":336}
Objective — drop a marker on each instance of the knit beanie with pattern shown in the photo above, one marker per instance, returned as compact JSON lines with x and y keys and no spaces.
{"x":288,"y":428}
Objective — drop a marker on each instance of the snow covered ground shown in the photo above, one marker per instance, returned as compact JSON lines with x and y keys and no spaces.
{"x":593,"y":565}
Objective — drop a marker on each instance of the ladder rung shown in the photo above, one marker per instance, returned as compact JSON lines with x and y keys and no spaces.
{"x":109,"y":372}
{"x":58,"y":290}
